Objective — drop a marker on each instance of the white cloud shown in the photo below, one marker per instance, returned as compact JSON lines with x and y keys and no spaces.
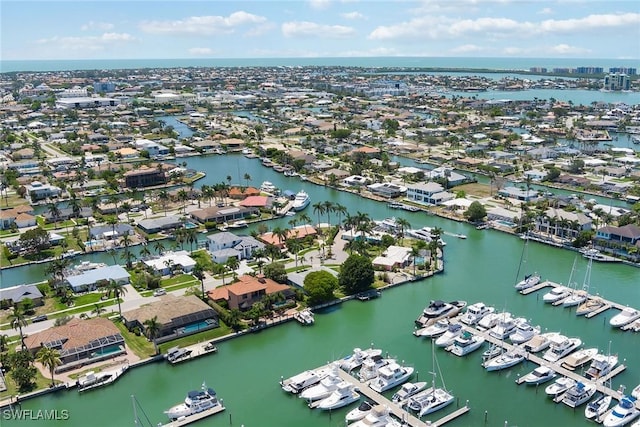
{"x":565,"y":49}
{"x":260,"y":29}
{"x":203,"y":25}
{"x":201,"y":51}
{"x":312,"y":29}
{"x":319,"y":4}
{"x":89,"y":44}
{"x":468,"y":48}
{"x":545,"y":11}
{"x":91,"y":25}
{"x":591,"y":22}
{"x":352,"y":15}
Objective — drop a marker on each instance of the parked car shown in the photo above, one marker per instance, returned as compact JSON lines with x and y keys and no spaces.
{"x":40,"y":318}
{"x":159,"y":292}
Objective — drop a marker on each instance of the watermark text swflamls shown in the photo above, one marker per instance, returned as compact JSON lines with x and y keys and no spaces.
{"x":35,"y":414}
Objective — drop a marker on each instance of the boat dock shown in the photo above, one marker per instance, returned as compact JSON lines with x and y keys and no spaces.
{"x":195,"y":417}
{"x":195,"y":351}
{"x":404,"y":416}
{"x":557,"y":366}
{"x":537,"y":287}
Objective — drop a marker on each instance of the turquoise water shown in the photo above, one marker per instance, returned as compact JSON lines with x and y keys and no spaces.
{"x":113,"y":349}
{"x":194,"y":327}
{"x":190,"y":225}
{"x":505,"y":223}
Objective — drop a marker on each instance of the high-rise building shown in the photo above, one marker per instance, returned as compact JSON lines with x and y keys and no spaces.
{"x":617,"y":81}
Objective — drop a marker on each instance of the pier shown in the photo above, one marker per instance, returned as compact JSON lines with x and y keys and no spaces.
{"x":405,"y":416}
{"x":195,"y":417}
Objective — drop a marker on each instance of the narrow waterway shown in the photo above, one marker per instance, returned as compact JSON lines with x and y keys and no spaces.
{"x":245,"y":372}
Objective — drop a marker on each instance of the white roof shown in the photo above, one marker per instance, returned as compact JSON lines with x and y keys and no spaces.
{"x":177,"y":258}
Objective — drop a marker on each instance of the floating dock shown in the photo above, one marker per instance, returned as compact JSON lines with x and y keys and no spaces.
{"x":195,"y":417}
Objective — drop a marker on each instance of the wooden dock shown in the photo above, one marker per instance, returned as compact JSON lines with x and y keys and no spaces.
{"x":396,"y":410}
{"x":536,"y":287}
{"x":195,"y":417}
{"x":196,"y":350}
{"x":594,"y":313}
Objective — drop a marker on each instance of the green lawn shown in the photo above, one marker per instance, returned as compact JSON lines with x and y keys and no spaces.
{"x":177,"y":280}
{"x":196,"y":338}
{"x":12,"y":390}
{"x":138,"y":344}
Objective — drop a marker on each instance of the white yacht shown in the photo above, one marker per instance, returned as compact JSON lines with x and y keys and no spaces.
{"x":626,"y":316}
{"x":323,"y":389}
{"x":379,"y":416}
{"x":577,"y":297}
{"x":506,"y":326}
{"x":579,"y":394}
{"x":597,"y":407}
{"x":371,"y":366}
{"x":475,"y":312}
{"x":359,"y":412}
{"x":438,"y":309}
{"x":268,"y":187}
{"x":556,"y":294}
{"x":492,"y":352}
{"x":489,"y":321}
{"x":446,"y":339}
{"x":591,"y":304}
{"x":465,"y":344}
{"x":506,"y":360}
{"x":390,"y":376}
{"x":344,"y":394}
{"x":195,"y":402}
{"x":92,"y":379}
{"x":540,"y":375}
{"x":436,"y":329}
{"x":523,"y":332}
{"x":304,"y":380}
{"x":301,"y":201}
{"x":430,"y":400}
{"x":354,"y":361}
{"x":623,"y":413}
{"x":560,"y":347}
{"x":406,"y":391}
{"x":529,"y":281}
{"x":600,"y":366}
{"x":559,"y":386}
{"x":579,"y":358}
{"x":540,"y":342}
{"x":305,"y":317}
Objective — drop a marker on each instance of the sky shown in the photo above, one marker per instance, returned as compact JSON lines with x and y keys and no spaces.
{"x":151,"y":29}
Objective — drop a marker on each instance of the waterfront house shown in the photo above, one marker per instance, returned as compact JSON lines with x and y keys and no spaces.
{"x":79,"y":342}
{"x":225,"y":245}
{"x":387,"y":190}
{"x":17,"y":294}
{"x":627,"y":234}
{"x":561,"y":223}
{"x":39,"y":191}
{"x":223,"y":214}
{"x":144,"y":177}
{"x":168,"y":262}
{"x":393,"y":257}
{"x":110,"y":232}
{"x":501,"y":214}
{"x":89,"y":280}
{"x":247,"y":291}
{"x":430,"y":193}
{"x":260,"y":202}
{"x":176,"y":316}
{"x":519,"y":194}
{"x":21,"y":216}
{"x":298,"y":232}
{"x":355,"y":181}
{"x":156,"y":225}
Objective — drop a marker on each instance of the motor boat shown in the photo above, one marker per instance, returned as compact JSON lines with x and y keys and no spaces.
{"x":578,"y":394}
{"x":540,"y":375}
{"x":556,"y":294}
{"x":590,"y":305}
{"x":600,"y":366}
{"x":344,"y":394}
{"x":359,"y":412}
{"x":370,"y":367}
{"x":303,"y":380}
{"x":92,"y":379}
{"x":506,"y":326}
{"x":523,"y":332}
{"x":446,"y":339}
{"x":323,"y":389}
{"x":626,"y":316}
{"x":492,"y":352}
{"x":406,"y":391}
{"x":437,"y":310}
{"x":636,"y":392}
{"x":305,"y":317}
{"x":529,"y":281}
{"x":430,"y":400}
{"x":390,"y":376}
{"x":559,"y":386}
{"x":506,"y":360}
{"x":475,"y":312}
{"x":597,"y":407}
{"x":379,"y":416}
{"x":354,"y":361}
{"x":465,"y":344}
{"x":579,"y":358}
{"x":195,"y":402}
{"x":539,"y":342}
{"x":301,"y":201}
{"x":436,"y":329}
{"x":177,"y":354}
{"x":623,"y":413}
{"x":489,"y":321}
{"x":560,"y":347}
{"x":577,"y":297}
{"x":268,"y":187}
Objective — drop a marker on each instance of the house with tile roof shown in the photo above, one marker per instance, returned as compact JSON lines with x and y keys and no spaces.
{"x":248,"y":290}
{"x":79,"y":342}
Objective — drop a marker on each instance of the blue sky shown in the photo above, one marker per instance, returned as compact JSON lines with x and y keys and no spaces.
{"x":121,"y":29}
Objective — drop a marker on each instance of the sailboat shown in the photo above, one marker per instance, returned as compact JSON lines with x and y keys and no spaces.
{"x":578,"y":296}
{"x":432,"y":399}
{"x":529,"y":280}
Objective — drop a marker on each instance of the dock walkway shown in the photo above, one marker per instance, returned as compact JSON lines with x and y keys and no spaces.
{"x":195,"y":417}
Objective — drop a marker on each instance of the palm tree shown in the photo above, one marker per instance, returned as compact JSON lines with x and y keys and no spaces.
{"x":53,"y":210}
{"x":18,"y":320}
{"x":4,"y":341}
{"x":198,"y":273}
{"x":280,"y":233}
{"x":163,"y":197}
{"x":415,"y":253}
{"x":328,"y":208}
{"x":145,"y":252}
{"x":127,"y":255}
{"x":247,"y":178}
{"x":158,"y":246}
{"x":340,"y":210}
{"x":151,"y":327}
{"x":191,"y":237}
{"x":183,"y":196}
{"x":116,"y":289}
{"x":98,"y":310}
{"x":76,"y":206}
{"x":218,"y":268}
{"x":403,"y":224}
{"x":294,"y":247}
{"x":232,"y":263}
{"x":50,"y":359}
{"x":318,"y":208}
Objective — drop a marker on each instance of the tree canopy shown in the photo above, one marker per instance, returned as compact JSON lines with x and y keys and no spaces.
{"x":475,"y":212}
{"x":356,"y":274}
{"x":319,"y":286}
{"x":34,"y":239}
{"x":276,"y":272}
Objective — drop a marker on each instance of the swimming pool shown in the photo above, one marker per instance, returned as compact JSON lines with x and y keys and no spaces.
{"x":110,"y":350}
{"x":505,"y":223}
{"x":190,"y":225}
{"x":194,"y":327}
{"x":91,"y":243}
